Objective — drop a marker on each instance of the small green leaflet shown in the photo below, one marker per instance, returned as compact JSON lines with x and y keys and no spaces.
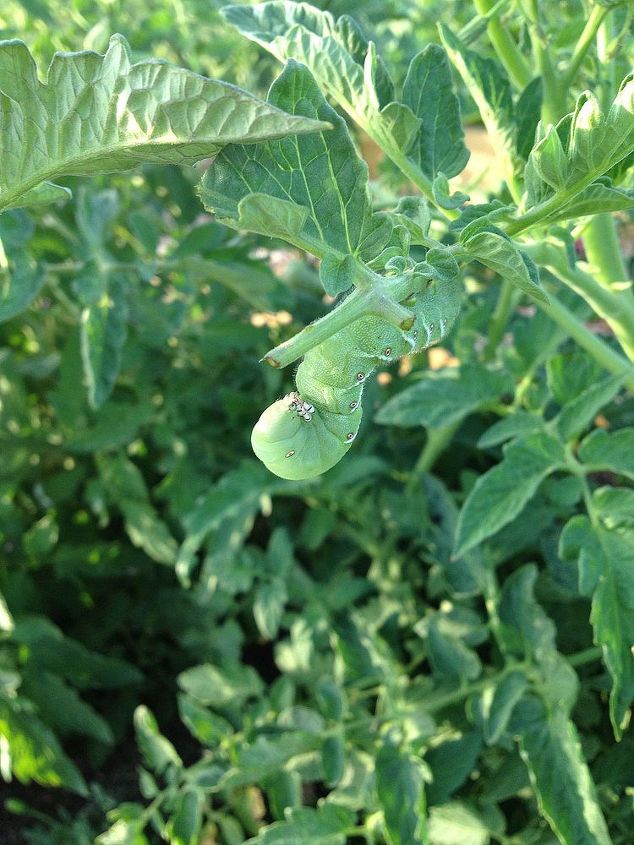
{"x":314,"y":187}
{"x":518,"y":423}
{"x":529,"y":633}
{"x":580,"y":411}
{"x":207,"y":727}
{"x":498,"y":252}
{"x":98,"y":114}
{"x":20,"y":279}
{"x":125,"y":487}
{"x":501,"y":493}
{"x":614,"y":451}
{"x":234,"y":500}
{"x":184,"y":826}
{"x":457,"y":824}
{"x":19,"y":285}
{"x":399,"y":785}
{"x":327,"y":825}
{"x":451,"y":762}
{"x":497,"y":704}
{"x":34,"y":750}
{"x":428,"y":91}
{"x":103,"y":295}
{"x":445,"y":397}
{"x":596,"y":198}
{"x":345,"y":64}
{"x":605,"y":554}
{"x":333,"y":758}
{"x":219,"y":687}
{"x":158,"y":752}
{"x":527,"y":114}
{"x":448,"y":654}
{"x":550,"y":747}
{"x":548,"y":741}
{"x":62,"y":708}
{"x":103,"y":333}
{"x":263,"y":759}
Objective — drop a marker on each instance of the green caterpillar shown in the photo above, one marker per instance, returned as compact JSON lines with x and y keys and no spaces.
{"x":307,"y":432}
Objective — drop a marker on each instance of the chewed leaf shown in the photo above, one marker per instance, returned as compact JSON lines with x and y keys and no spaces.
{"x":98,"y":114}
{"x":313,"y":190}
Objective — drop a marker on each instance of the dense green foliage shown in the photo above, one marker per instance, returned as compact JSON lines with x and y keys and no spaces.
{"x":431,"y":642}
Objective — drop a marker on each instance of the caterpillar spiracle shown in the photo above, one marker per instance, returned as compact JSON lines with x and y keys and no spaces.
{"x":308,"y":431}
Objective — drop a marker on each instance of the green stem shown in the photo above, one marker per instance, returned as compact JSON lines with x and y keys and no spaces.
{"x":557,"y":337}
{"x":594,"y":346}
{"x":603,"y":249}
{"x":437,"y":441}
{"x":607,"y":67}
{"x":71,"y":307}
{"x":506,"y":304}
{"x":539,"y":215}
{"x":414,"y":174}
{"x":588,"y":655}
{"x":616,"y":307}
{"x":584,"y":43}
{"x":553,"y":102}
{"x":476,"y":26}
{"x":504,"y":44}
{"x":432,"y":704}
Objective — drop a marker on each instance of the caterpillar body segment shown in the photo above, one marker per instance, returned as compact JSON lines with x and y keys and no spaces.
{"x":308,"y":432}
{"x":296,"y":449}
{"x":337,"y":399}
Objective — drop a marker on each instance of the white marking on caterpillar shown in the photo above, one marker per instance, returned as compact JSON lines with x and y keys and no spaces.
{"x":353,"y":405}
{"x":360,"y":376}
{"x":290,"y":454}
{"x":303,"y":409}
{"x":350,"y":436}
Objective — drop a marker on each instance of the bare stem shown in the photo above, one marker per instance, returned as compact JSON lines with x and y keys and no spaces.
{"x":584,"y":43}
{"x":616,"y":307}
{"x":594,"y":346}
{"x":504,"y":44}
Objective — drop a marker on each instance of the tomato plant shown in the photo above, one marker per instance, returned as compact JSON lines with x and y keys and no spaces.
{"x":412,"y":619}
